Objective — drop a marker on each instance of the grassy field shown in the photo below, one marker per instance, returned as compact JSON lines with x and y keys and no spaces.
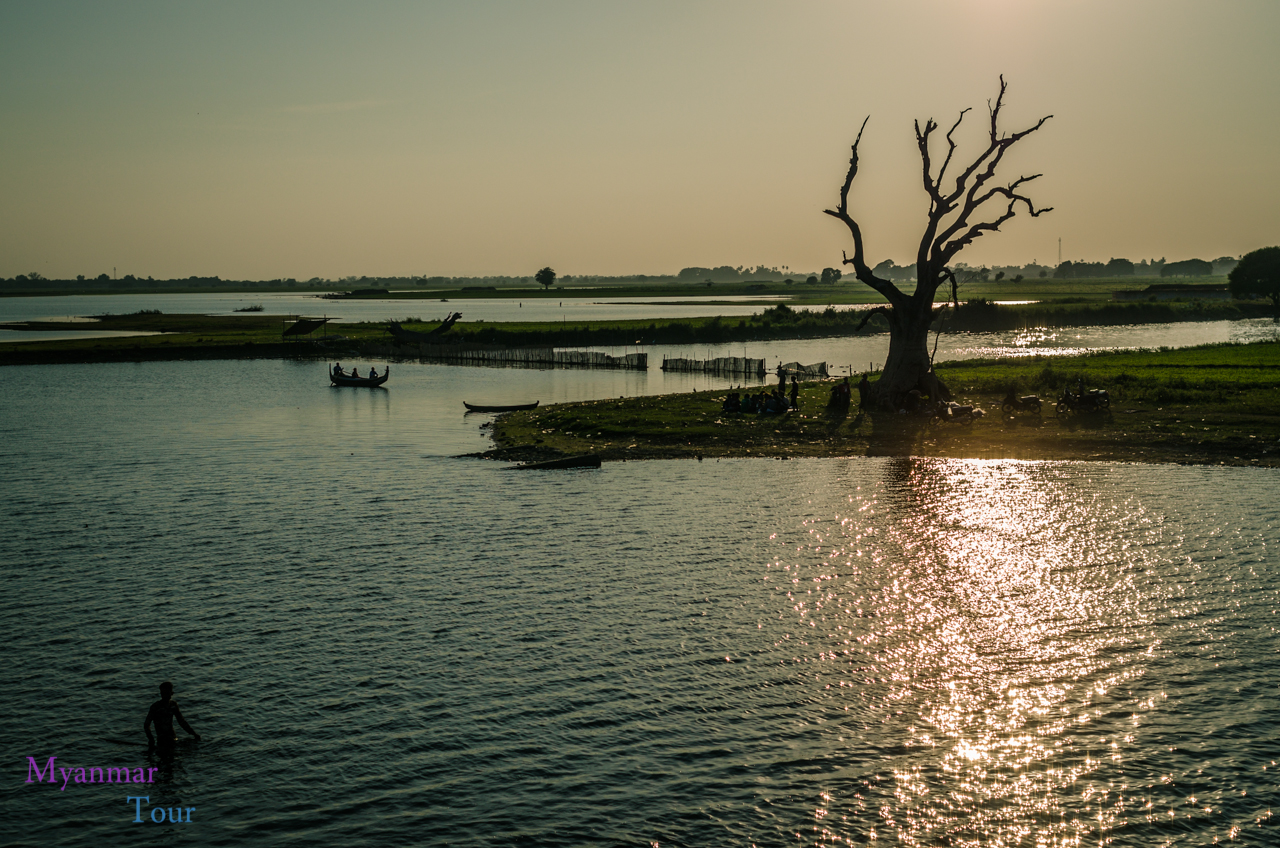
{"x":183,"y":337}
{"x":1207,"y":405}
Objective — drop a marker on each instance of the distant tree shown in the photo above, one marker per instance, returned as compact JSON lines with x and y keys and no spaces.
{"x":1043,"y":273}
{"x":1258,"y":274}
{"x":545,"y":277}
{"x":1018,"y":279}
{"x":812,"y":280}
{"x":1119,"y":268}
{"x":1224,"y":264}
{"x":35,"y":276}
{"x":999,"y":276}
{"x":830,"y":276}
{"x":1187,"y":268}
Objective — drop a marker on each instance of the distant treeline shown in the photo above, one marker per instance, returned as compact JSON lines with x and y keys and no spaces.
{"x":1156,"y":267}
{"x":34,"y":282}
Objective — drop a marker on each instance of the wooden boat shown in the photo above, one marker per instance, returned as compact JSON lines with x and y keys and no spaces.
{"x":479,"y":407}
{"x":587,"y":460}
{"x":347,"y":380}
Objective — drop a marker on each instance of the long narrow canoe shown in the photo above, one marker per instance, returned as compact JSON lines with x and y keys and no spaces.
{"x":348,"y":380}
{"x":479,"y":407}
{"x":587,"y":460}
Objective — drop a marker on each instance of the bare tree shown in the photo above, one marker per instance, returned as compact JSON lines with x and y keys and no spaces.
{"x":956,"y":217}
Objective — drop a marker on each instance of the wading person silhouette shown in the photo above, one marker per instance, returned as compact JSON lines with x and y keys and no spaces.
{"x":162,"y":714}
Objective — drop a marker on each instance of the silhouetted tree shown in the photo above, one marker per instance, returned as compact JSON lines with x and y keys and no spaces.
{"x":1258,"y":275}
{"x":830,"y":276}
{"x":957,"y":216}
{"x":1119,"y":268}
{"x":1187,"y":268}
{"x":545,"y":277}
{"x":1224,"y":264}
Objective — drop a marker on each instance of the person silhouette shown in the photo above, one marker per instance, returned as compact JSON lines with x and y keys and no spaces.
{"x":162,"y":714}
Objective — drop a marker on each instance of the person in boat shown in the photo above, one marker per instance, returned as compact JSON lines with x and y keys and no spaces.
{"x":162,"y":714}
{"x":337,"y":369}
{"x":373,"y":372}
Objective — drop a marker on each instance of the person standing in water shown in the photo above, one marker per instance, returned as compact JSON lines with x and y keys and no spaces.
{"x":162,"y":714}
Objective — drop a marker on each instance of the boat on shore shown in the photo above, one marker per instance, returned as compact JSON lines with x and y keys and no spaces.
{"x":587,"y":460}
{"x":479,"y":407}
{"x":347,"y":380}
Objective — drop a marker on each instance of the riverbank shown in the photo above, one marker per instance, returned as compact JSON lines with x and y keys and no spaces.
{"x":1213,"y":405}
{"x":185,"y":336}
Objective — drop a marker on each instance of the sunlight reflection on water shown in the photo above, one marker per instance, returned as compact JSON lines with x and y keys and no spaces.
{"x":999,"y":619}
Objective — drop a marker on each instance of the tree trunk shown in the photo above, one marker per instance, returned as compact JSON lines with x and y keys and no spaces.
{"x":907,"y":366}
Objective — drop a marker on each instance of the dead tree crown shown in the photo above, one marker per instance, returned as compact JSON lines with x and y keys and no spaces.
{"x":955,"y":218}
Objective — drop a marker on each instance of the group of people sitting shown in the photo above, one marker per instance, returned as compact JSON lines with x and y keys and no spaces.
{"x":355,"y":372}
{"x":762,"y":402}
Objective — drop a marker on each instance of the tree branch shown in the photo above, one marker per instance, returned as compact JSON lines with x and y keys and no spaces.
{"x":960,"y":232}
{"x":860,"y":267}
{"x":879,"y":310}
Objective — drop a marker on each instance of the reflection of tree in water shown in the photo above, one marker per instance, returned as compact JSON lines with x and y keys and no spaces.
{"x":973,"y":612}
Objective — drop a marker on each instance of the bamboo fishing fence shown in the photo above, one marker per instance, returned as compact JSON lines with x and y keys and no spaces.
{"x":535,"y":357}
{"x":730,"y":365}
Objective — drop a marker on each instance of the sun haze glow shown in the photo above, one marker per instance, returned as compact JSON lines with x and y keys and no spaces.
{"x":321,"y":139}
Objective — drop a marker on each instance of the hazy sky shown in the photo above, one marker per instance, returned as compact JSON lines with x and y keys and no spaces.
{"x":259,"y":140}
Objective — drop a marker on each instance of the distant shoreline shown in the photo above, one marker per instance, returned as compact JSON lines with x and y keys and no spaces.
{"x":254,"y":335}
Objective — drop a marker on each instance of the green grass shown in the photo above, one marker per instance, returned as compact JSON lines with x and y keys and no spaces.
{"x":1214,"y":404}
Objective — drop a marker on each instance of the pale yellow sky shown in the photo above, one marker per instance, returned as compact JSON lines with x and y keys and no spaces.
{"x":252,"y":140}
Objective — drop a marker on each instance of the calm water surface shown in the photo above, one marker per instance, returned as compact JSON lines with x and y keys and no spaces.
{"x":382,"y":645}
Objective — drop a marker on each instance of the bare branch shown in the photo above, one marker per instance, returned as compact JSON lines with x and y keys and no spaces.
{"x":951,"y":147}
{"x":947,"y":251}
{"x":879,"y":310}
{"x":970,"y":186}
{"x":860,"y":267}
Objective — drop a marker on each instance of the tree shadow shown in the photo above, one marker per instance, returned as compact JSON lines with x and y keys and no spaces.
{"x":1100,"y":420}
{"x":894,"y":434}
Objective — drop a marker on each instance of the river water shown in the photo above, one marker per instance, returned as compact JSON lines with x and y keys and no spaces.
{"x":381,"y":644}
